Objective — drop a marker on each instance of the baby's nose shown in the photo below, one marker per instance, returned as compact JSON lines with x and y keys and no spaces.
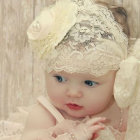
{"x":74,"y":93}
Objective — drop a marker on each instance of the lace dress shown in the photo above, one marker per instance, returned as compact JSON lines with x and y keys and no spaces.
{"x":13,"y":127}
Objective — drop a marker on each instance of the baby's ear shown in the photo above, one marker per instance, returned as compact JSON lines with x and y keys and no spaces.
{"x":122,"y":12}
{"x":120,"y":15}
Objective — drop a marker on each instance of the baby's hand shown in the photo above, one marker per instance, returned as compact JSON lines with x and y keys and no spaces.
{"x":89,"y":129}
{"x":80,"y":130}
{"x":64,"y":127}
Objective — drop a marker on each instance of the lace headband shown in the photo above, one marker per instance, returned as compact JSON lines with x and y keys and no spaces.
{"x":78,"y":36}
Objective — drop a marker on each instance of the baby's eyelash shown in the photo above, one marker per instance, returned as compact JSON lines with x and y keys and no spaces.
{"x":60,"y":78}
{"x":91,"y":83}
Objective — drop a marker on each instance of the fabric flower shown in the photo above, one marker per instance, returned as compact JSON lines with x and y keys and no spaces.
{"x":42,"y":25}
{"x":51,"y":26}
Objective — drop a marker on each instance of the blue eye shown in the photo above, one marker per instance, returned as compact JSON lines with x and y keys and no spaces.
{"x":91,"y":83}
{"x":60,"y":79}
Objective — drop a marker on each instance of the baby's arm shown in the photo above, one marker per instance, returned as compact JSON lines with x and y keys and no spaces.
{"x":39,"y":119}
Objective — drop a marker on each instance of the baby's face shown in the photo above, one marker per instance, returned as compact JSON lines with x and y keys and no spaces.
{"x":80,"y":95}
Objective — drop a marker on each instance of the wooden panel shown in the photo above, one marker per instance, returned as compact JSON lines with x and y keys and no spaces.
{"x":16,"y":60}
{"x":22,"y":79}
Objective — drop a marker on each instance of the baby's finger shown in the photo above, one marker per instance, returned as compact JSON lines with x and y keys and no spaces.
{"x":97,"y":128}
{"x":94,"y":136}
{"x":96,"y":120}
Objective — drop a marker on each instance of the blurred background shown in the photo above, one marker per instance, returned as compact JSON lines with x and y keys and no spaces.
{"x":21,"y":76}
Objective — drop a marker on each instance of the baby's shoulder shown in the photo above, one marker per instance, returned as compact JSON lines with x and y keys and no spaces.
{"x":39,"y":118}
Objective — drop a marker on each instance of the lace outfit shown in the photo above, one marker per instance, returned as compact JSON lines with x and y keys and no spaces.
{"x":12,"y":129}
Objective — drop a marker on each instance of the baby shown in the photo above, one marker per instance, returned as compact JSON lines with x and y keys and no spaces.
{"x":83,"y":44}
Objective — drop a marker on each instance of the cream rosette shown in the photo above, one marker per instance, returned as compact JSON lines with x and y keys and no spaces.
{"x":50,"y":27}
{"x":127,"y":82}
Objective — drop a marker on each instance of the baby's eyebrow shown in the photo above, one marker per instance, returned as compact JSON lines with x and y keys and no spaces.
{"x":55,"y":73}
{"x":94,"y":79}
{"x":91,"y":78}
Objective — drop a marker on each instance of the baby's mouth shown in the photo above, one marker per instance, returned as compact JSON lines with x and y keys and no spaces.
{"x":74,"y":106}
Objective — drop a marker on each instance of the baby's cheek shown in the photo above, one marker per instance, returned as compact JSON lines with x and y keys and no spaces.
{"x":95,"y":107}
{"x":56,"y":97}
{"x":53,"y":96}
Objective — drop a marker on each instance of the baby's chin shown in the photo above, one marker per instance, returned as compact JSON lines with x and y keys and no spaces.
{"x":76,"y":115}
